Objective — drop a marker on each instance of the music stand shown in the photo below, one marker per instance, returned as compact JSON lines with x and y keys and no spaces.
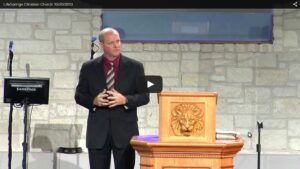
{"x":26,"y":91}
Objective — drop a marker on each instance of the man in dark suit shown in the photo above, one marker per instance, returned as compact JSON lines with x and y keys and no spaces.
{"x":107,"y":87}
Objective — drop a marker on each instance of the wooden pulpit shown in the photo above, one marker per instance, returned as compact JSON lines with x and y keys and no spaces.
{"x":187,"y":135}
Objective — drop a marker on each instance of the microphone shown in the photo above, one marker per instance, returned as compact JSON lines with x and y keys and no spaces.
{"x":27,"y":70}
{"x":11,"y":44}
{"x":93,"y":39}
{"x":10,"y":57}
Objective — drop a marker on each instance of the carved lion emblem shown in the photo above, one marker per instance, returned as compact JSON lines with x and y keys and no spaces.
{"x":187,"y":120}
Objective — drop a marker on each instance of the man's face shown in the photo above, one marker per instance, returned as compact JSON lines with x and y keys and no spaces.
{"x":111,"y":44}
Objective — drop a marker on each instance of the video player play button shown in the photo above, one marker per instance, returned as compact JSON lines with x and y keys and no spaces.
{"x":149,"y":84}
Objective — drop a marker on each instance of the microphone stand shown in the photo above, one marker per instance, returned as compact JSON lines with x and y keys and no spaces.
{"x":25,"y":143}
{"x":10,"y":120}
{"x":258,"y":146}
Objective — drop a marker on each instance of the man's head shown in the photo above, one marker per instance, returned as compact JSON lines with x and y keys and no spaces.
{"x":110,"y":43}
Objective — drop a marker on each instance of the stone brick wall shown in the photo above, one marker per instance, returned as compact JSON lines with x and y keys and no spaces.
{"x":255,"y":82}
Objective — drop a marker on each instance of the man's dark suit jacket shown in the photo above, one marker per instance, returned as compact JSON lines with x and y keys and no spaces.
{"x":123,"y":120}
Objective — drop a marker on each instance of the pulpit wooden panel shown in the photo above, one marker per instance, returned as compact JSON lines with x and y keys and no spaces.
{"x":157,"y":155}
{"x":187,"y":117}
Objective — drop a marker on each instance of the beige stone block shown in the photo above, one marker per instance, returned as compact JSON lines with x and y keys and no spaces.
{"x":203,"y":80}
{"x":257,"y":95}
{"x":190,"y":80}
{"x":190,"y":56}
{"x":205,"y":66}
{"x":224,"y":121}
{"x":96,"y":23}
{"x":287,"y":107}
{"x":294,"y":72}
{"x":298,"y":90}
{"x":15,"y":31}
{"x":291,"y":56}
{"x":162,"y":47}
{"x":206,"y":48}
{"x":80,"y":56}
{"x":152,"y":116}
{"x":262,"y":109}
{"x":65,"y":110}
{"x":145,"y":56}
{"x":194,"y":47}
{"x":216,"y":56}
{"x":294,"y":144}
{"x":278,"y":33}
{"x":1,"y":16}
{"x":242,"y":75}
{"x":278,"y":20}
{"x":31,"y":16}
{"x":217,"y":78}
{"x":66,"y":80}
{"x":40,"y":62}
{"x":170,"y":56}
{"x":274,"y":123}
{"x":252,"y":47}
{"x":273,"y":139}
{"x":230,"y":56}
{"x":137,"y":47}
{"x":142,"y":121}
{"x":278,"y":45}
{"x":285,"y":91}
{"x":227,"y":90}
{"x":229,"y":47}
{"x":126,"y":47}
{"x":189,"y":66}
{"x":164,"y":69}
{"x":224,"y":62}
{"x":266,"y":60}
{"x":219,"y":48}
{"x":170,"y":82}
{"x":290,"y":39}
{"x":34,"y":47}
{"x":40,"y":112}
{"x":271,"y":77}
{"x":9,"y":17}
{"x":68,"y":42}
{"x":240,"y":47}
{"x":2,"y":47}
{"x":294,"y":128}
{"x":2,"y":59}
{"x":43,"y":34}
{"x":235,"y":100}
{"x":62,"y":94}
{"x":291,"y":24}
{"x":173,"y":47}
{"x":149,"y":46}
{"x":59,"y":22}
{"x":266,"y":48}
{"x":81,"y":28}
{"x":184,"y":47}
{"x":244,"y":121}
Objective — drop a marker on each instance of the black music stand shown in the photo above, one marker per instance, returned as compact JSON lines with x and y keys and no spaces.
{"x":26,"y":91}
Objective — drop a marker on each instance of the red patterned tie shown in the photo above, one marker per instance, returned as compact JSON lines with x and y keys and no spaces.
{"x":110,"y":79}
